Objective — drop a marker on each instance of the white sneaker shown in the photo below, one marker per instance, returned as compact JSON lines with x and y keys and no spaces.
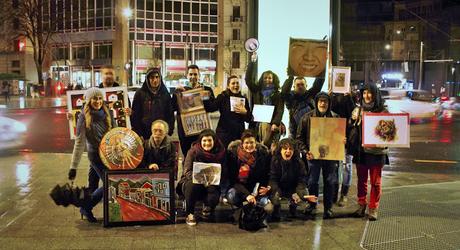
{"x":190,"y":220}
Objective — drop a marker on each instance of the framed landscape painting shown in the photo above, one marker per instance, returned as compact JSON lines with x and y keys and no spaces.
{"x":138,"y":197}
{"x":386,"y":130}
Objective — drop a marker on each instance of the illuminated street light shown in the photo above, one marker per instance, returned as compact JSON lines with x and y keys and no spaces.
{"x":387,"y":47}
{"x":127,"y":12}
{"x":398,"y":32}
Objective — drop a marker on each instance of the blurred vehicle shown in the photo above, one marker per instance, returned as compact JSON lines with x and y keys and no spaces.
{"x":420,"y":104}
{"x":12,"y":133}
{"x":452,"y":103}
{"x":131,"y":91}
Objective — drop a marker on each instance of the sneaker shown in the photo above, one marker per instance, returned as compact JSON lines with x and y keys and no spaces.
{"x":342,"y":201}
{"x":190,"y":220}
{"x":328,"y":214}
{"x":360,"y":212}
{"x":373,"y":214}
{"x":310,"y":209}
{"x":206,"y":212}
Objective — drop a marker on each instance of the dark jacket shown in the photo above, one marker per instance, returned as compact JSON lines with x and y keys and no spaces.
{"x":299,"y":104}
{"x":115,"y":84}
{"x":303,"y":131}
{"x":149,"y":106}
{"x":258,"y":173}
{"x":175,"y":104}
{"x":368,"y":156}
{"x":164,"y":156}
{"x":288,"y":177}
{"x":231,"y":124}
{"x":194,"y":156}
{"x":256,"y":92}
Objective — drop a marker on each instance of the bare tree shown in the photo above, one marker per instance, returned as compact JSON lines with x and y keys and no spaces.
{"x":25,"y":18}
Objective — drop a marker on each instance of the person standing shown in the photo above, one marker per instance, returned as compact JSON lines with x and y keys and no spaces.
{"x":232,"y":118}
{"x":6,"y":91}
{"x":150,"y":103}
{"x":93,"y":123}
{"x":193,"y":74}
{"x":299,"y":101}
{"x":108,"y":76}
{"x":369,"y":161}
{"x":266,"y":91}
{"x":328,"y":167}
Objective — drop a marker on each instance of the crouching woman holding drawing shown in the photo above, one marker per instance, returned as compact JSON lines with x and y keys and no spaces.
{"x":159,"y":150}
{"x":248,"y":165}
{"x":203,"y":168}
{"x":93,"y":123}
{"x":287,"y":178}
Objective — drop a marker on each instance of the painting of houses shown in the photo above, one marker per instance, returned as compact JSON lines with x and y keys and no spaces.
{"x":138,"y":197}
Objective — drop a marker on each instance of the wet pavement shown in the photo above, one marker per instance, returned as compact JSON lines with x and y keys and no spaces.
{"x":30,"y":219}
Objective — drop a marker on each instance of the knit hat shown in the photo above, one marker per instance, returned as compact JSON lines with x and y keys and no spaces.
{"x":92,"y":92}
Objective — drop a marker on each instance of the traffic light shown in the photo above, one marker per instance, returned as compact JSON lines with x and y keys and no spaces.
{"x":20,"y":45}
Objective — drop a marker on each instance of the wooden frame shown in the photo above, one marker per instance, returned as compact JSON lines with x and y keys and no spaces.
{"x":341,"y":79}
{"x":194,"y":122}
{"x":146,"y":196}
{"x":386,"y":130}
{"x":190,"y":100}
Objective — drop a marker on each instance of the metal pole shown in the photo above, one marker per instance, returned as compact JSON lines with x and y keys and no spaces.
{"x":421,"y":67}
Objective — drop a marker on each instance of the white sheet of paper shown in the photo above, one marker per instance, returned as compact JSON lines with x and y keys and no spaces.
{"x":263,"y":113}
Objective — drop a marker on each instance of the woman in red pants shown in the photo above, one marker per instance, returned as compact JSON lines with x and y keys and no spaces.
{"x":369,"y":161}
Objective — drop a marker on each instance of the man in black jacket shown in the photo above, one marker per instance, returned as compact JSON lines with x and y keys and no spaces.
{"x":152,"y":102}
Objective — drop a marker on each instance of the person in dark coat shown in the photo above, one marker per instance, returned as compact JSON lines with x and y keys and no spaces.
{"x":159,"y":150}
{"x":327,"y":167}
{"x":231,"y":121}
{"x":193,"y":74}
{"x":206,"y":149}
{"x":369,"y":161}
{"x":287,"y":178}
{"x":108,"y":75}
{"x":299,"y":101}
{"x":152,"y":102}
{"x":266,"y":91}
{"x":248,"y":164}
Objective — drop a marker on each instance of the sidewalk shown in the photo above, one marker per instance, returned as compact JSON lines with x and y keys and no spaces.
{"x":21,"y":102}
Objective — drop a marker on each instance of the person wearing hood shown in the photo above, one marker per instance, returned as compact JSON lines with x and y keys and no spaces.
{"x":329,"y":168}
{"x":287,"y":178}
{"x":369,"y":161}
{"x":232,"y":118}
{"x":159,"y":150}
{"x":152,"y":102}
{"x":266,"y":91}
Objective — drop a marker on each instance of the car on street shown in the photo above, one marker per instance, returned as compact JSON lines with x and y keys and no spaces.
{"x":451,"y":103}
{"x":12,"y":133}
{"x":420,"y":104}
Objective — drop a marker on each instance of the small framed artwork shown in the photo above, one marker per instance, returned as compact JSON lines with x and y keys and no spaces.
{"x":206,"y":173}
{"x":386,"y":130}
{"x":236,"y":101}
{"x":138,"y":197}
{"x":117,"y":99}
{"x":341,"y":79}
{"x":307,"y":57}
{"x":194,"y":122}
{"x":190,"y":100}
{"x":75,"y":102}
{"x":327,"y":138}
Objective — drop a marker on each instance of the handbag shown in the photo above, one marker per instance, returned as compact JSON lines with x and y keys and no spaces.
{"x":252,"y":217}
{"x":68,"y":194}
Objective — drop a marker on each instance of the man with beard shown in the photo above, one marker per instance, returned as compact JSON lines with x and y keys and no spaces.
{"x":299,"y":101}
{"x":152,"y":102}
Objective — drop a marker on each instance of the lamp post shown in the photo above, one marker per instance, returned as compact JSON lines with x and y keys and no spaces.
{"x":127,"y":13}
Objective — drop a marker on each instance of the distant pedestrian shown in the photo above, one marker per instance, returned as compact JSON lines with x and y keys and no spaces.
{"x":6,"y":91}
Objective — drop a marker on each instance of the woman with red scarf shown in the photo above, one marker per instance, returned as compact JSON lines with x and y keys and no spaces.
{"x":248,"y":164}
{"x":207,"y":149}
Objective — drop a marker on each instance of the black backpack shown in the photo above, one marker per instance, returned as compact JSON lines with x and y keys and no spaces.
{"x":252,"y":217}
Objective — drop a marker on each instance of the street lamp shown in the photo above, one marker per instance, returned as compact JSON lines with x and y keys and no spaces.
{"x":387,"y":46}
{"x":127,"y":13}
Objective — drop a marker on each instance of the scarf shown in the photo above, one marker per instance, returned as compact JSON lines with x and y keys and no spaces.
{"x":267,"y":91}
{"x":368,"y":106}
{"x":215,"y":155}
{"x":246,"y":161}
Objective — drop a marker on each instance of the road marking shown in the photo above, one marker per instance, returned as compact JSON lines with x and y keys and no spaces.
{"x":437,"y":161}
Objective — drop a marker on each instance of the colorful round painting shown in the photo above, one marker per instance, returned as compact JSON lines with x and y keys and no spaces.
{"x":121,"y":148}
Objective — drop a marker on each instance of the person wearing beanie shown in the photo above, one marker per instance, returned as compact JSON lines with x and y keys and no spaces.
{"x":328,"y":167}
{"x":266,"y":91}
{"x":152,"y":102}
{"x":92,"y":124}
{"x":369,"y":161}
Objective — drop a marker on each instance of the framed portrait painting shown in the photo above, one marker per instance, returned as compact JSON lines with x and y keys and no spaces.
{"x":138,"y":197}
{"x":341,"y":79}
{"x":386,"y":130}
{"x":307,"y":57}
{"x":327,"y":138}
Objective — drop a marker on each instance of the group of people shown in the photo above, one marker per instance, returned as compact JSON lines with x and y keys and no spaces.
{"x":257,"y":167}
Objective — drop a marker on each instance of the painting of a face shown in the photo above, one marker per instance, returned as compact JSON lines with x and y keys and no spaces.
{"x":307,"y":57}
{"x":340,"y":80}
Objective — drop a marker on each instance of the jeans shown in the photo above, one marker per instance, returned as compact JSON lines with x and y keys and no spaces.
{"x":330,"y":180}
{"x":347,"y":174}
{"x":99,"y":167}
{"x":93,"y":179}
{"x":236,"y":198}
